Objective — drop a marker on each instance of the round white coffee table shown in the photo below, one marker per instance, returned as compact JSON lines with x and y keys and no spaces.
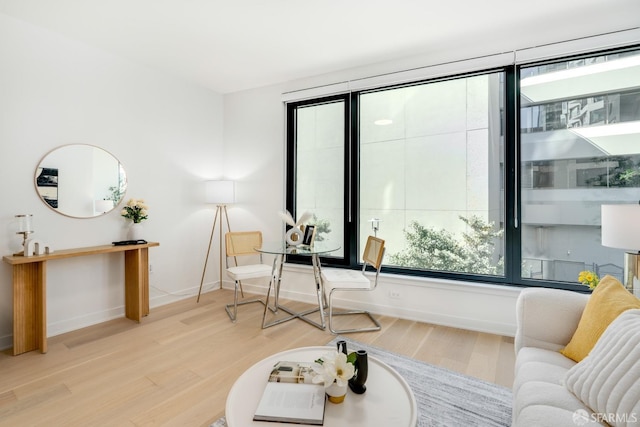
{"x":388,"y":400}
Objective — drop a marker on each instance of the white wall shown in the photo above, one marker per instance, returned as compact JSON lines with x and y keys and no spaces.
{"x":254,"y":158}
{"x":167,"y":133}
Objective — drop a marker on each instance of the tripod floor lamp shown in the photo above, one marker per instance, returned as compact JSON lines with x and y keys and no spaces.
{"x":220,"y":193}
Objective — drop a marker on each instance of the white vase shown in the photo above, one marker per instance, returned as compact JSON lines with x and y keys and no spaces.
{"x":136,"y":230}
{"x":336,"y":392}
{"x":294,"y":236}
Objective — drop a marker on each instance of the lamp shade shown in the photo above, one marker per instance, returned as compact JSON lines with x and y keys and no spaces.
{"x":621,"y":226}
{"x":25,"y":223}
{"x":220,"y":192}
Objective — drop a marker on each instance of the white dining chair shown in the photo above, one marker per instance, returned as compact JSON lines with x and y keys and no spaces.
{"x":242,"y":244}
{"x":343,"y":280}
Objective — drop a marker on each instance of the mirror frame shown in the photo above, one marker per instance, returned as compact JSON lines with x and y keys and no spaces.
{"x":49,"y":180}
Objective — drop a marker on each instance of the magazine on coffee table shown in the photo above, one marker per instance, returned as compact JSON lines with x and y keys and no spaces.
{"x":291,"y":397}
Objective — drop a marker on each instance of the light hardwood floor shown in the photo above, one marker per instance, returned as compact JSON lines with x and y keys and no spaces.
{"x":177,"y":366}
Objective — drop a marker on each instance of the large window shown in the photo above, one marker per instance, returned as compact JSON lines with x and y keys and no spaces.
{"x":319,"y":166}
{"x":440,"y":170}
{"x":430,"y":171}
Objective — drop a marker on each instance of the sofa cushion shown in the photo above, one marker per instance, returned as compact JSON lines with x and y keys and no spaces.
{"x":607,"y":301}
{"x":537,"y":364}
{"x":608,"y":380}
{"x":540,"y":397}
{"x":540,"y":355}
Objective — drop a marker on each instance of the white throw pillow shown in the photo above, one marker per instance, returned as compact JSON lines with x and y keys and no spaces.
{"x":608,"y":379}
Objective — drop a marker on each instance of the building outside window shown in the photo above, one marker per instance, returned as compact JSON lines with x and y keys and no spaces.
{"x":430,"y":158}
{"x":580,"y":145}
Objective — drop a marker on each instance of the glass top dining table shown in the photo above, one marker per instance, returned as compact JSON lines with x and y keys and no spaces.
{"x":281,"y":250}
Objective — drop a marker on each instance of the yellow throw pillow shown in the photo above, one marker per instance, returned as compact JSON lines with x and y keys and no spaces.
{"x":607,"y":301}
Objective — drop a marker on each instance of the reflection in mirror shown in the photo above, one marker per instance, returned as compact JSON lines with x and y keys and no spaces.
{"x":80,"y":180}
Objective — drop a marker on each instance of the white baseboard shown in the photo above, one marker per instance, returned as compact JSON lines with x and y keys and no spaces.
{"x":71,"y":324}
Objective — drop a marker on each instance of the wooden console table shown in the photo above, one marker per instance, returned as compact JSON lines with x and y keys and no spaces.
{"x":30,"y":290}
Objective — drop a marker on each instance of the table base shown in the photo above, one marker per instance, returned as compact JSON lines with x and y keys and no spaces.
{"x":278,"y":263}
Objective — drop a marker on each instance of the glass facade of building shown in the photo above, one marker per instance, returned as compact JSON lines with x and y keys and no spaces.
{"x":580,"y":144}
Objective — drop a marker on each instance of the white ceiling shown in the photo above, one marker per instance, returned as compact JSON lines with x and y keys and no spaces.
{"x":233,"y":45}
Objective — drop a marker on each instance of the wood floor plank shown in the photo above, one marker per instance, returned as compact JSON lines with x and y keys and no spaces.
{"x":394,"y":336}
{"x":20,"y":412}
{"x":505,"y":363}
{"x":177,"y":366}
{"x":7,"y":398}
{"x":484,"y":355}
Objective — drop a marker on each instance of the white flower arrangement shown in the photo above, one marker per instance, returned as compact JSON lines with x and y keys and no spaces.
{"x":334,"y":367}
{"x":135,"y":210}
{"x":288,"y":218}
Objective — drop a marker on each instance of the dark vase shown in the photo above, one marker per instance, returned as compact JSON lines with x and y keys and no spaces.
{"x":342,"y":347}
{"x":356,"y":384}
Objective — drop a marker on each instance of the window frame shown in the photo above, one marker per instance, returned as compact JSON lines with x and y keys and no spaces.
{"x":512,"y":176}
{"x":291,"y":173}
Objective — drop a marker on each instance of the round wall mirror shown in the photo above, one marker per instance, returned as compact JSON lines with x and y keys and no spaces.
{"x":80,"y":180}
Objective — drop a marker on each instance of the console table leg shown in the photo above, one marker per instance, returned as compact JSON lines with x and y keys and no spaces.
{"x":29,"y":307}
{"x":136,"y":277}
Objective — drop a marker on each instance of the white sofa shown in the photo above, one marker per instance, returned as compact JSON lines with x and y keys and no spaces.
{"x":546,"y":320}
{"x":604,"y":387}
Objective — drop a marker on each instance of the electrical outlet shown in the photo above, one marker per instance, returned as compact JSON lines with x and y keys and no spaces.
{"x":394,"y":294}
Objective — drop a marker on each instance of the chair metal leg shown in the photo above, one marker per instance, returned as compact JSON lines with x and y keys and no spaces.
{"x":234,"y":316}
{"x":377,"y":326}
{"x":241,"y":291}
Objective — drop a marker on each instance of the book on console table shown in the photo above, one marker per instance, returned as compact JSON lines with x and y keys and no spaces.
{"x":291,"y":397}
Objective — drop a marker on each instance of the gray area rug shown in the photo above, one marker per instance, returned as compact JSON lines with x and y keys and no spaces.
{"x":445,"y":398}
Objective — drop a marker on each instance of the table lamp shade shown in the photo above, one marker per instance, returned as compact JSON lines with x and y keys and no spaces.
{"x":621,"y":226}
{"x":220,"y":192}
{"x":25,"y":223}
